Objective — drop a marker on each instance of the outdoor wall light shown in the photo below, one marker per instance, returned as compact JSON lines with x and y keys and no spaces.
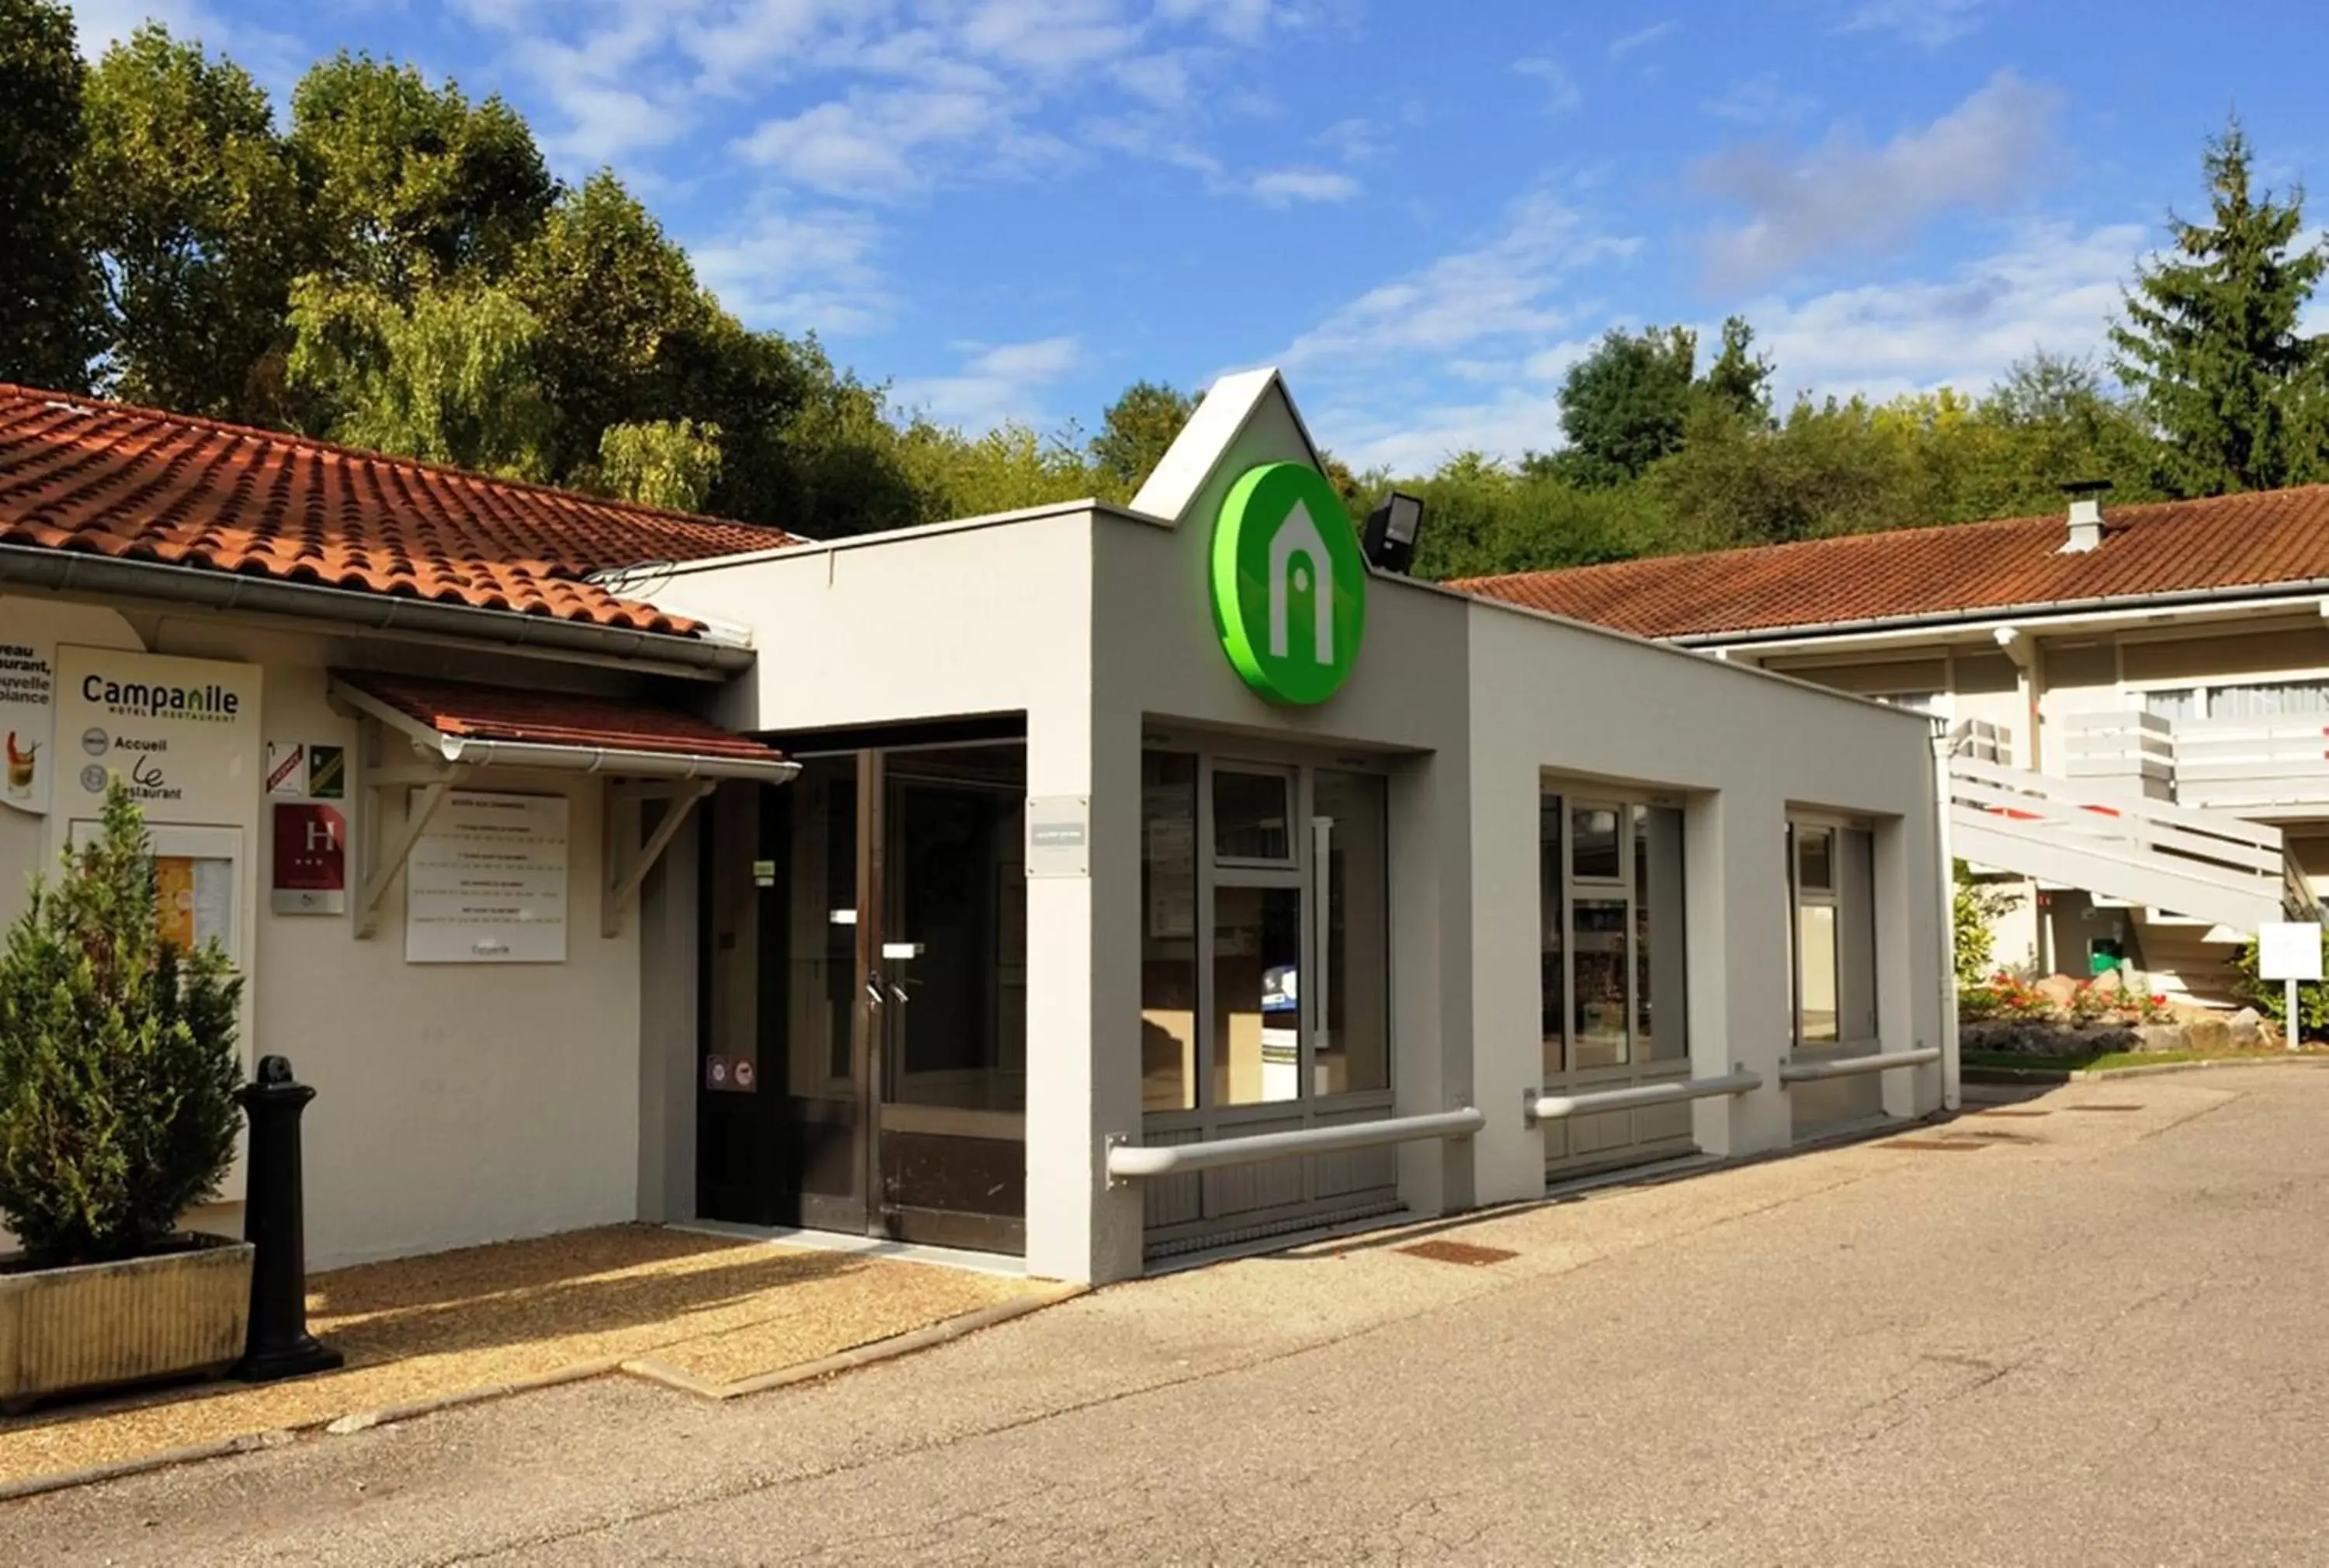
{"x":1392,"y":529}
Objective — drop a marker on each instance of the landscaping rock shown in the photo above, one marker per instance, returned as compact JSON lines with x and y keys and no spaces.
{"x":2058,"y":988}
{"x":2163,"y":1038}
{"x":2249,"y":1032}
{"x":2212,"y":1034}
{"x":2109,"y":983}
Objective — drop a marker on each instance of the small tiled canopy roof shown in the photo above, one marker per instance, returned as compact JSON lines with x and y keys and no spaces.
{"x":461,"y":711}
{"x":2271,"y":539}
{"x":79,"y":473}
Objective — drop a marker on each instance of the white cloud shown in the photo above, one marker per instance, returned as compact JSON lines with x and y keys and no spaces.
{"x":1621,"y":47}
{"x":1240,"y":21}
{"x":1561,"y":94}
{"x":866,"y":144}
{"x":1505,"y":288}
{"x":2052,"y":286}
{"x":1845,"y":197}
{"x":1354,"y":141}
{"x":995,"y":384}
{"x":1928,"y":24}
{"x":796,"y":272}
{"x":1759,"y":100}
{"x":1284,"y":187}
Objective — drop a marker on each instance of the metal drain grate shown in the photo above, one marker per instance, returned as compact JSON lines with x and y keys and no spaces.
{"x":1936,"y":1145}
{"x":2102,"y":1107}
{"x":2002,"y":1136}
{"x":2011,"y":1111}
{"x":1463,"y":1252}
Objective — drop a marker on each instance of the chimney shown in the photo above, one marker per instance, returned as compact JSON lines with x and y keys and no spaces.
{"x":2086,"y":515}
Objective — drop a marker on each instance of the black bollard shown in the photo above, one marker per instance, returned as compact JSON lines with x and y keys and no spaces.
{"x":274,"y":1224}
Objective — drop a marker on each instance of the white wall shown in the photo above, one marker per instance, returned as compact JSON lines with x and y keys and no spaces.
{"x":1744,"y":748}
{"x":455,"y":1104}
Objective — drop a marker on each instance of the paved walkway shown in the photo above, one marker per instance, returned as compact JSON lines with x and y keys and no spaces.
{"x":2089,"y":1336}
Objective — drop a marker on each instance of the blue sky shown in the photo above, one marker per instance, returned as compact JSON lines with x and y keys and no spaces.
{"x":1424,"y":210}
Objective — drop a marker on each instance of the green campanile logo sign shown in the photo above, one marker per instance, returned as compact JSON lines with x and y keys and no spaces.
{"x":1290,"y":583}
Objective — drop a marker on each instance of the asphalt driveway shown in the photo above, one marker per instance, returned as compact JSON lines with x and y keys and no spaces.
{"x":2091,"y":1334}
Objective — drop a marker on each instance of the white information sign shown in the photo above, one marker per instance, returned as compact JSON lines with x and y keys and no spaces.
{"x":486,"y":883}
{"x":183,"y":734}
{"x":1058,"y":836}
{"x":2289,"y":951}
{"x":27,"y":697}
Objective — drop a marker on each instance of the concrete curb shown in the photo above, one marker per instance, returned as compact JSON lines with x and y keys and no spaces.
{"x":60,"y":1480}
{"x":2008,"y":1076}
{"x":888,"y":1349}
{"x":365,"y":1420}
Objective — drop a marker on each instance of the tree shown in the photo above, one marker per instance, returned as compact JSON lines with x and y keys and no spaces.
{"x":1623,"y":405}
{"x":49,"y":323}
{"x":609,"y":292}
{"x":415,"y":184}
{"x":2211,"y":340}
{"x":1739,"y":381}
{"x":665,"y":463}
{"x":117,"y":1066}
{"x":1134,"y":431}
{"x":197,"y":206}
{"x":448,"y":378}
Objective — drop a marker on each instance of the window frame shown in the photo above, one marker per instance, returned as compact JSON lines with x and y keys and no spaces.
{"x":1302,"y":870}
{"x":1593,"y":795}
{"x":1831,"y":898}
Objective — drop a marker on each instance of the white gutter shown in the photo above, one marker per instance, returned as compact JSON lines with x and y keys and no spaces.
{"x":83,"y":572}
{"x":472,"y":751}
{"x":2099,"y":612}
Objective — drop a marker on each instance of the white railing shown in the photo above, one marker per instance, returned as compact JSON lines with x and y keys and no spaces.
{"x":2127,"y":748}
{"x":1982,"y":741}
{"x":1542,"y":1107}
{"x":1853,"y":1066}
{"x":2208,"y":865}
{"x":2268,"y":766}
{"x":1129,"y":1161}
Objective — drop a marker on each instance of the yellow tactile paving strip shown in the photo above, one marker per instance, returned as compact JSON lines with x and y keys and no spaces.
{"x":425,"y":1329}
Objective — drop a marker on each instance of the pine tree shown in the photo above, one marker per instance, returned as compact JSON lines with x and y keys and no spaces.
{"x":2211,"y":342}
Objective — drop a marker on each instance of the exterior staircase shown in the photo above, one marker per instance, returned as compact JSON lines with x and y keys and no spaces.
{"x":2207,"y":867}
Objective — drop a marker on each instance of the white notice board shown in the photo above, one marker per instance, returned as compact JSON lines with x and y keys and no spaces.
{"x":2289,"y":951}
{"x":486,"y":883}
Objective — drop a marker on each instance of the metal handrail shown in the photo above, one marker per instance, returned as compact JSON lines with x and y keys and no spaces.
{"x":1853,"y":1067}
{"x":1126,"y":1161}
{"x":1542,"y":1107}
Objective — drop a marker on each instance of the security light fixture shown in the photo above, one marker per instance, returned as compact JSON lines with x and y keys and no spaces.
{"x":1392,"y":529}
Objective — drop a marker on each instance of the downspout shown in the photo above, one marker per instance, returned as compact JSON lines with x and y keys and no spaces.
{"x":1952,"y":1095}
{"x":2028,"y":677}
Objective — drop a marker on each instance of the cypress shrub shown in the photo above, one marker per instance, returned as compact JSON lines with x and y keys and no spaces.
{"x":117,"y":1064}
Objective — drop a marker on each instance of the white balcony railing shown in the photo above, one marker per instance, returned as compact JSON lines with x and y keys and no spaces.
{"x":2272,"y":766}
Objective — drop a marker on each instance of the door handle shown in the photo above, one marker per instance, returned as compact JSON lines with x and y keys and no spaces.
{"x":898,"y":993}
{"x":874,"y":990}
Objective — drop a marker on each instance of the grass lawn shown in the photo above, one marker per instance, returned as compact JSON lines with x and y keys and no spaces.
{"x":2104,"y":1061}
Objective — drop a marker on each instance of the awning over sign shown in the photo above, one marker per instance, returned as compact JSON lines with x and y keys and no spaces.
{"x":459,"y":727}
{"x":473,"y":724}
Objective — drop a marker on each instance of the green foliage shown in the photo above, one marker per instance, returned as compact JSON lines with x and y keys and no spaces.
{"x":200,"y":212}
{"x":1976,"y":907}
{"x":1623,"y":405}
{"x":49,"y":280}
{"x":117,"y":1065}
{"x":415,"y":185}
{"x":450,"y":377}
{"x":609,"y":292}
{"x":2211,"y":340}
{"x":1482,"y":518}
{"x":2270,"y":997}
{"x":663,"y":462}
{"x":1009,"y":466}
{"x":1134,"y":433}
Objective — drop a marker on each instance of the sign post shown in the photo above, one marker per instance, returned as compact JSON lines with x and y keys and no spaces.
{"x":2289,"y":952}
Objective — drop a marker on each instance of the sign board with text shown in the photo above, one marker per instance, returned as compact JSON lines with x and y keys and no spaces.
{"x":486,"y":883}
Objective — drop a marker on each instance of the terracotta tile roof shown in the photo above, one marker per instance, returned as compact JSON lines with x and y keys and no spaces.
{"x":2254,"y":540}
{"x":79,"y":473}
{"x":470,"y":711}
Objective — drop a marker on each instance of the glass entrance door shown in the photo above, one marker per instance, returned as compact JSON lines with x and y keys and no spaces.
{"x":865,"y":1034}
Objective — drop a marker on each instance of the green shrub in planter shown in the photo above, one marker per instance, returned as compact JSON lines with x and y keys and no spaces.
{"x":117,"y":1066}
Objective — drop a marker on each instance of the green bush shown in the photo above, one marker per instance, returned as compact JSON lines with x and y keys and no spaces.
{"x":1976,"y":904}
{"x":117,"y":1065}
{"x":2269,"y":996}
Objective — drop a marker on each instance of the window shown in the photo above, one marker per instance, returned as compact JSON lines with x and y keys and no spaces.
{"x":1265,"y":937}
{"x":1168,"y":931}
{"x":1612,"y":964}
{"x":1356,"y":1051}
{"x":1252,"y":815}
{"x":1833,"y":935}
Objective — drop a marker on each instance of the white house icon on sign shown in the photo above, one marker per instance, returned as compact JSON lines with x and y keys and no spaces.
{"x":1298,"y":539}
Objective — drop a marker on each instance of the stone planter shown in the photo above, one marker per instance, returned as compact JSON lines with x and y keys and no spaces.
{"x":95,"y":1325}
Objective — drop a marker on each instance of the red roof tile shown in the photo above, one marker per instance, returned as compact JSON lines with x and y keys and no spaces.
{"x":2255,"y":541}
{"x":79,"y":473}
{"x":537,"y":718}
